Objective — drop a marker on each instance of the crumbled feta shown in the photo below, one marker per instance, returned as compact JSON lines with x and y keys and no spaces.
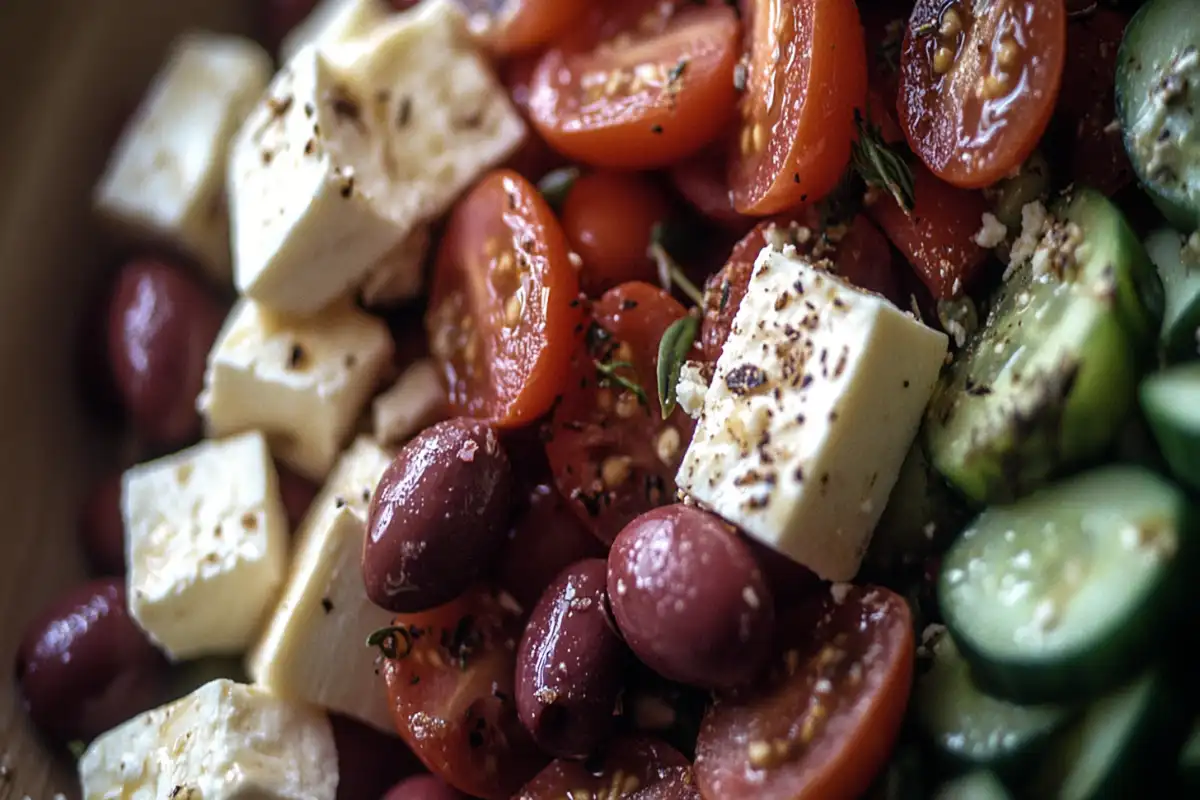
{"x":689,"y":391}
{"x":399,"y":275}
{"x":1034,"y":220}
{"x":993,"y":232}
{"x":417,"y":400}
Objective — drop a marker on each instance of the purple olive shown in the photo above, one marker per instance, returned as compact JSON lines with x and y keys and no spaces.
{"x":424,"y":787}
{"x":571,"y":664}
{"x":101,"y":527}
{"x":84,"y":666}
{"x":690,"y":599}
{"x":677,"y":784}
{"x":438,"y":517}
{"x":368,"y":761}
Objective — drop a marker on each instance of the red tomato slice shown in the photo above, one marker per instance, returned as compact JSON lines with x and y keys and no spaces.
{"x":613,"y":456}
{"x":1088,"y":105}
{"x":640,"y":99}
{"x":824,"y":722}
{"x":703,"y":182}
{"x":938,"y":236}
{"x":628,"y":765}
{"x":452,"y":695}
{"x":509,"y":27}
{"x":502,"y":312}
{"x":979,"y":83}
{"x":807,"y":73}
{"x":859,"y":253}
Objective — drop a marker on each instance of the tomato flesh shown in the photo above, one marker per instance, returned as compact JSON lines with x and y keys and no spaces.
{"x":640,"y":99}
{"x":807,"y":74}
{"x":823,"y":723}
{"x":451,"y":695}
{"x":979,"y":83}
{"x":502,"y":312}
{"x":627,"y":766}
{"x":613,"y":455}
{"x":510,"y":27}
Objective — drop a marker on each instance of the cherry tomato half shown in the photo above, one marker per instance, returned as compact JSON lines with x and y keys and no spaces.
{"x":613,"y":455}
{"x":824,"y":722}
{"x":807,"y":73}
{"x":859,"y":253}
{"x":451,"y":693}
{"x":644,"y":98}
{"x":508,"y":27}
{"x":628,"y":765}
{"x":502,"y":310}
{"x":938,"y":235}
{"x":609,"y":218}
{"x":979,"y":83}
{"x":703,"y":182}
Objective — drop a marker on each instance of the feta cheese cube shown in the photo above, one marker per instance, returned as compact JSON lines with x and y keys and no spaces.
{"x":817,"y":396}
{"x":303,"y":382}
{"x":400,"y":275}
{"x":350,"y":485}
{"x":206,"y":545}
{"x":354,"y":147}
{"x":166,"y":177}
{"x":417,"y":399}
{"x":312,"y":649}
{"x":333,"y":22}
{"x":221,"y":742}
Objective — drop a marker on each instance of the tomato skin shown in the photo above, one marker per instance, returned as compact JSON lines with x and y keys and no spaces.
{"x":643,"y":120}
{"x":629,"y":763}
{"x":1088,"y":101}
{"x":797,"y":123}
{"x":521,"y":26}
{"x":938,"y":236}
{"x":604,"y":431}
{"x":971,"y":132}
{"x":503,"y":246}
{"x":452,"y":695}
{"x":862,"y":645}
{"x":608,"y":218}
{"x":702,"y":182}
{"x":861,"y":255}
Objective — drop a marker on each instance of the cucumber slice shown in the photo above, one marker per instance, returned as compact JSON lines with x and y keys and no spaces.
{"x":1189,"y":761}
{"x":1124,"y":741}
{"x":1171,"y":402}
{"x":973,"y":786}
{"x":1179,"y":269}
{"x":1158,"y":92}
{"x":971,"y":729}
{"x":1047,"y":381}
{"x":1067,"y":592}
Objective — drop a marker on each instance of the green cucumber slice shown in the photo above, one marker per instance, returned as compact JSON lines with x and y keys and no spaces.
{"x":971,"y":729}
{"x":1067,"y":592}
{"x":973,"y":786}
{"x":1179,"y":268}
{"x":1123,"y":741}
{"x":1047,"y":381}
{"x":1171,"y":402}
{"x":1158,"y":93}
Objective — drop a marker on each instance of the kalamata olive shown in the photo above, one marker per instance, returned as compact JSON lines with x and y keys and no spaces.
{"x":689,"y":598}
{"x":545,"y":539}
{"x":571,"y":664}
{"x":678,"y":784}
{"x":790,"y":581}
{"x":161,"y":324}
{"x":277,"y":17}
{"x":101,"y":527}
{"x":369,"y":761}
{"x":627,"y":765}
{"x":437,"y":517}
{"x":297,"y":493}
{"x":83,"y":665}
{"x":423,"y":787}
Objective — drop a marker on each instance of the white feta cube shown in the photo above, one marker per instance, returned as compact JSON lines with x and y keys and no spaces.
{"x":817,"y":396}
{"x":312,"y":648}
{"x":350,"y":485}
{"x":354,"y":147}
{"x":166,"y":178}
{"x":206,"y":545}
{"x":223,"y":741}
{"x":334,"y":22}
{"x":417,"y":400}
{"x":400,"y":275}
{"x":303,"y":382}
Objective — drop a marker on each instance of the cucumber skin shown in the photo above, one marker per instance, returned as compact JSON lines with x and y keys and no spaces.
{"x":1180,"y":448}
{"x":1085,"y":674}
{"x":1178,"y":211}
{"x":973,"y":786}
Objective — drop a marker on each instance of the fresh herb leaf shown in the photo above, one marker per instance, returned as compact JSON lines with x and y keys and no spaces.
{"x":609,"y":376}
{"x":669,"y":271}
{"x":76,"y":748}
{"x":388,"y":641}
{"x":556,"y":184}
{"x":676,"y":342}
{"x":879,"y":165}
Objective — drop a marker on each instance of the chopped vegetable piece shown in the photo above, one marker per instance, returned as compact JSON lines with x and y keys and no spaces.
{"x":1171,"y":402}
